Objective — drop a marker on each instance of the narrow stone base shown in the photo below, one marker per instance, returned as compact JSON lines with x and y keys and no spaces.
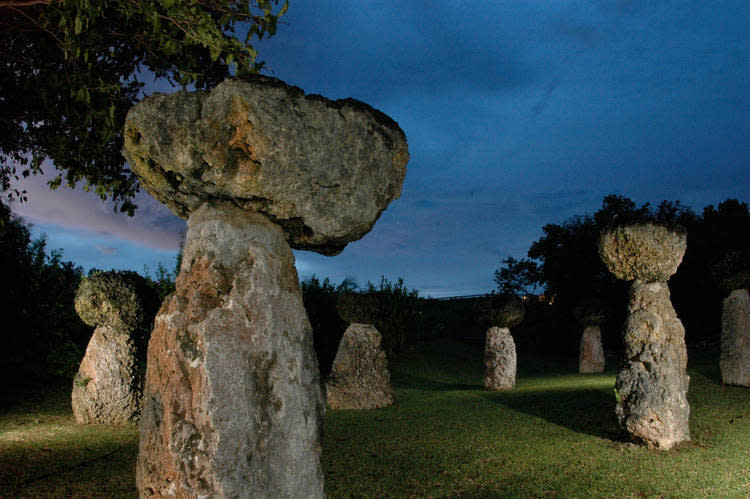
{"x":499,"y":359}
{"x":735,"y":339}
{"x":652,"y":386}
{"x":232,"y":404}
{"x":591,"y":352}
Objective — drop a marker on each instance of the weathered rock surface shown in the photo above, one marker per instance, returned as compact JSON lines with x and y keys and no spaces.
{"x":499,"y":311}
{"x":358,"y":308}
{"x":359,"y":378}
{"x":499,"y":359}
{"x":648,"y":252}
{"x":735,"y":339}
{"x":652,"y":385}
{"x":325,"y":170}
{"x":591,"y":352}
{"x":107,"y":386}
{"x":110,"y":299}
{"x":232,"y":402}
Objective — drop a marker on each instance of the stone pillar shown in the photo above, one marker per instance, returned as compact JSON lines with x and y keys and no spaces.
{"x":499,"y":312}
{"x":735,"y":338}
{"x":359,"y":378}
{"x":651,"y":387}
{"x":591,"y":352}
{"x":499,"y":359}
{"x":232,"y":404}
{"x":107,"y":386}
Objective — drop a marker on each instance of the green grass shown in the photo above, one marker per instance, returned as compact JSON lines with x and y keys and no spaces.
{"x":554,"y":435}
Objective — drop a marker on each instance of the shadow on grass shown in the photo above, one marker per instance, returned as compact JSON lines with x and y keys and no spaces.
{"x":403,"y":380}
{"x":589,"y":411}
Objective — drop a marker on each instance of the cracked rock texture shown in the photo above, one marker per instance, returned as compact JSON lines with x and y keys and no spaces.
{"x":499,"y":359}
{"x":324,"y":170}
{"x":591,"y":352}
{"x":647,"y":252}
{"x":359,"y":378}
{"x":107,"y":386}
{"x":652,"y":385}
{"x":232,"y":403}
{"x":735,"y":339}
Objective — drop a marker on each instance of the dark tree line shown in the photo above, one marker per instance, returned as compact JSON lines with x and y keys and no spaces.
{"x":565,"y":264}
{"x":41,"y":333}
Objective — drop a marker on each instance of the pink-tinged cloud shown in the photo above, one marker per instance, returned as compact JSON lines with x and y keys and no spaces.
{"x":153,"y":225}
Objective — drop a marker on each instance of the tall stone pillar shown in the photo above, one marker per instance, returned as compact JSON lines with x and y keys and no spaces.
{"x":232,"y":399}
{"x":232,"y":404}
{"x":652,"y":386}
{"x":500,"y":313}
{"x":735,"y":338}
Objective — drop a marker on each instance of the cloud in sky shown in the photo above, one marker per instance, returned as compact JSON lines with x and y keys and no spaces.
{"x":518,"y":114}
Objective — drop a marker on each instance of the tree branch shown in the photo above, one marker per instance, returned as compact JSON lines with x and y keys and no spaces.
{"x":23,"y":3}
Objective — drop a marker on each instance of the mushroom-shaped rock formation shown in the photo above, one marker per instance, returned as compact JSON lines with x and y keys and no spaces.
{"x":232,"y":404}
{"x":359,"y":378}
{"x":499,"y":312}
{"x":590,"y":314}
{"x":652,"y":385}
{"x":324,"y":170}
{"x":107,"y":386}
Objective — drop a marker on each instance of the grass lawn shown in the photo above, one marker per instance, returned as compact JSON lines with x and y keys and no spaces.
{"x":553,"y":435}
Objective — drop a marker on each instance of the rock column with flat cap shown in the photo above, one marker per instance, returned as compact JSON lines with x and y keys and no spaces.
{"x":652,"y":386}
{"x":500,"y":313}
{"x":232,"y":403}
{"x":359,"y":377}
{"x":107,"y":386}
{"x":732,"y":273}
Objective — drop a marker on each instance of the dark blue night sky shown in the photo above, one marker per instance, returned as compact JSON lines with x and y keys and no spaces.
{"x":517,"y":113}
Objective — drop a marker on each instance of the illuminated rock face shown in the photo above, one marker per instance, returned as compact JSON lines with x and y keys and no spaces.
{"x":232,"y":402}
{"x":591,"y":352}
{"x":652,"y":386}
{"x":324,"y":170}
{"x":499,"y":359}
{"x":359,"y":377}
{"x":107,"y":386}
{"x":735,"y":339}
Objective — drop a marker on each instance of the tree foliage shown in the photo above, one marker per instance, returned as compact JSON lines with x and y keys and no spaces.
{"x":517,"y":277}
{"x":41,"y":332}
{"x":71,"y":69}
{"x":570,"y":269}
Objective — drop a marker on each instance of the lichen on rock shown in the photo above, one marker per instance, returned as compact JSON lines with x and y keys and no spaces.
{"x":324,"y":170}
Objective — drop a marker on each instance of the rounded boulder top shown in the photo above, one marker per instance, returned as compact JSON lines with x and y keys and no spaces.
{"x":111,"y":299}
{"x":504,"y":310}
{"x":648,"y":252}
{"x":324,"y":170}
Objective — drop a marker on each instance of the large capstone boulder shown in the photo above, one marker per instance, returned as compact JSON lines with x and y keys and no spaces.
{"x":735,"y":339}
{"x":590,"y":351}
{"x":648,"y":252}
{"x":732,"y":270}
{"x":501,"y":310}
{"x":232,"y":401}
{"x":358,"y":308}
{"x":652,"y":386}
{"x":359,"y":377}
{"x":324,"y":170}
{"x":107,"y":386}
{"x":499,"y":359}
